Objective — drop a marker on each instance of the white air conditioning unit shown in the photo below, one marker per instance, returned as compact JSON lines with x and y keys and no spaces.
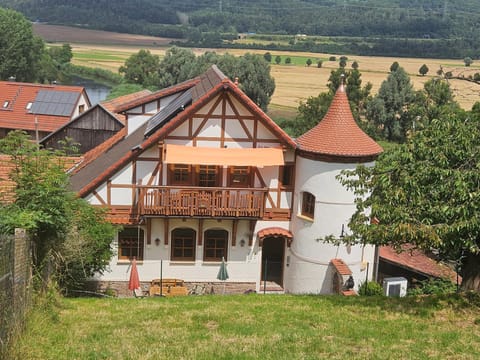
{"x":395,"y":286}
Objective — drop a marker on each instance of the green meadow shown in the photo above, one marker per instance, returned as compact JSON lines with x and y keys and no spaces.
{"x":254,"y":327}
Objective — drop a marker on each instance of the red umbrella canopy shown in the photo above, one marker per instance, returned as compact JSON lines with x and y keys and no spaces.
{"x":134,"y":282}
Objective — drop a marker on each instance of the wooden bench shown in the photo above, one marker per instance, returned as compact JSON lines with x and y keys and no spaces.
{"x":169,"y":287}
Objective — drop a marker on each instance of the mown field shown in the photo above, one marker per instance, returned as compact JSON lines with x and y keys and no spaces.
{"x":294,"y":82}
{"x":255,"y":327}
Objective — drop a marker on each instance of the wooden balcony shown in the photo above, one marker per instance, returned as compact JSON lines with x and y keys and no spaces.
{"x":201,"y":201}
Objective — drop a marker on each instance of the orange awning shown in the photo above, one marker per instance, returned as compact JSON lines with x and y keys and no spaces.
{"x":259,"y":157}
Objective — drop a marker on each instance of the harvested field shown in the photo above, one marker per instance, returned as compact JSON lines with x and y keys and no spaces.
{"x":293,"y":83}
{"x":63,"y":34}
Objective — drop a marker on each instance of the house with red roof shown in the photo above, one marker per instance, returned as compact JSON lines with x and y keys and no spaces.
{"x":39,"y":109}
{"x":200,"y":174}
{"x":93,"y":127}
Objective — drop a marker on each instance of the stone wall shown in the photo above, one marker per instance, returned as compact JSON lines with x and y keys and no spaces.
{"x":120,"y":288}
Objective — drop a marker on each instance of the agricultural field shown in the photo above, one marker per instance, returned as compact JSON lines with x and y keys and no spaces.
{"x":294,"y":82}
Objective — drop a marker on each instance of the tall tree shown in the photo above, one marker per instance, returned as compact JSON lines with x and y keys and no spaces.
{"x":425,"y":193}
{"x":175,"y":67}
{"x":394,"y":97}
{"x":141,"y":68}
{"x":20,"y":50}
{"x":252,"y":71}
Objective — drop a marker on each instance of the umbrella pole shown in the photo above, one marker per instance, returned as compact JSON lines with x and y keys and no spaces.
{"x":161,"y":277}
{"x":265,"y":277}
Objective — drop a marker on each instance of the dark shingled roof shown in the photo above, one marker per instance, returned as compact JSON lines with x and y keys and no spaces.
{"x":168,"y":112}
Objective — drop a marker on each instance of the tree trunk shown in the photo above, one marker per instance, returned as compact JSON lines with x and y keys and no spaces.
{"x":471,"y":273}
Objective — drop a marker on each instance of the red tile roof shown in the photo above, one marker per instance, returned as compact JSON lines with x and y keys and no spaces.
{"x":415,"y":260}
{"x":275,"y":232}
{"x":17,"y":116}
{"x":338,"y":134}
{"x":341,"y":267}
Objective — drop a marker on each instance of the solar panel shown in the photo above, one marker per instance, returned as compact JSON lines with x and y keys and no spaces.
{"x":168,"y":112}
{"x":54,"y":102}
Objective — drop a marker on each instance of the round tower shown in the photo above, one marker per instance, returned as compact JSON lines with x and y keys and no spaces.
{"x":322,"y":207}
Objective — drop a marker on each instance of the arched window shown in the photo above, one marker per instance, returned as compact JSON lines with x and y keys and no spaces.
{"x":130,"y":244}
{"x":216,"y":245}
{"x":308,"y":205}
{"x":183,"y":244}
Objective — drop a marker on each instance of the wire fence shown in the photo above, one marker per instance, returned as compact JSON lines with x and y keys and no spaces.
{"x":15,"y":285}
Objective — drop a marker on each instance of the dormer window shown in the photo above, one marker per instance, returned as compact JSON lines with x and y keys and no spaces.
{"x":5,"y":104}
{"x":29,"y":106}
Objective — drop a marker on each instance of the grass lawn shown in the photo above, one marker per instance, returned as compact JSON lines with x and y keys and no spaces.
{"x":255,"y":327}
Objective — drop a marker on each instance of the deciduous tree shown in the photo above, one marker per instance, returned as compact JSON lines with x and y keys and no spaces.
{"x":468,"y":61}
{"x":142,"y":68}
{"x":423,"y":70}
{"x":20,"y":50}
{"x":395,"y":96}
{"x":425,"y":192}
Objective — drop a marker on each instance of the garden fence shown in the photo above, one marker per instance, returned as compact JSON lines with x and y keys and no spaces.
{"x":15,"y":285}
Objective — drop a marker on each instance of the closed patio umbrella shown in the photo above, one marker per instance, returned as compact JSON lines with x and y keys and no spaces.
{"x":223,"y":273}
{"x":134,"y":282}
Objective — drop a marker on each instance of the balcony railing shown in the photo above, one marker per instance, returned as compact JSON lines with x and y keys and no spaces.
{"x":200,"y":201}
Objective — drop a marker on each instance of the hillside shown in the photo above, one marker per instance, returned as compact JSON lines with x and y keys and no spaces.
{"x":399,"y":27}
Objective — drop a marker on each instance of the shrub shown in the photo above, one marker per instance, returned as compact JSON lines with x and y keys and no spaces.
{"x":370,"y":288}
{"x":433,"y":287}
{"x":333,"y":58}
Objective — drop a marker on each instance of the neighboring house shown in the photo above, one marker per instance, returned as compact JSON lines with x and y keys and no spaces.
{"x":39,"y":109}
{"x":412,"y":264}
{"x":94,"y":126}
{"x":200,"y":174}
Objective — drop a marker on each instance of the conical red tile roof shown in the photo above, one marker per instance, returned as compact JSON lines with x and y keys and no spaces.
{"x":338,"y":135}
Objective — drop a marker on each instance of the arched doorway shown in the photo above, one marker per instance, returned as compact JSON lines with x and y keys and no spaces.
{"x":273,"y":254}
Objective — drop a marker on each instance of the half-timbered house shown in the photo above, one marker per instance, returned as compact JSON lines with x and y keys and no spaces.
{"x":200,"y":173}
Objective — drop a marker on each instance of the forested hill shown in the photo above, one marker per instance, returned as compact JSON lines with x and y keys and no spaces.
{"x":413,"y":19}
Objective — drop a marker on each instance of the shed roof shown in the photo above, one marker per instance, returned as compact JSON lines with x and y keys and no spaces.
{"x":417,"y":261}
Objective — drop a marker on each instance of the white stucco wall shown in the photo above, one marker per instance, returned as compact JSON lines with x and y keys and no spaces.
{"x":309,"y":257}
{"x":243,"y":262}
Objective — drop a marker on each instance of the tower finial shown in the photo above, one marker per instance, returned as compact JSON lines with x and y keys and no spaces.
{"x":342,"y":82}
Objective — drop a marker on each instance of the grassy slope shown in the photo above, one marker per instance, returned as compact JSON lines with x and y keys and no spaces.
{"x":255,"y":327}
